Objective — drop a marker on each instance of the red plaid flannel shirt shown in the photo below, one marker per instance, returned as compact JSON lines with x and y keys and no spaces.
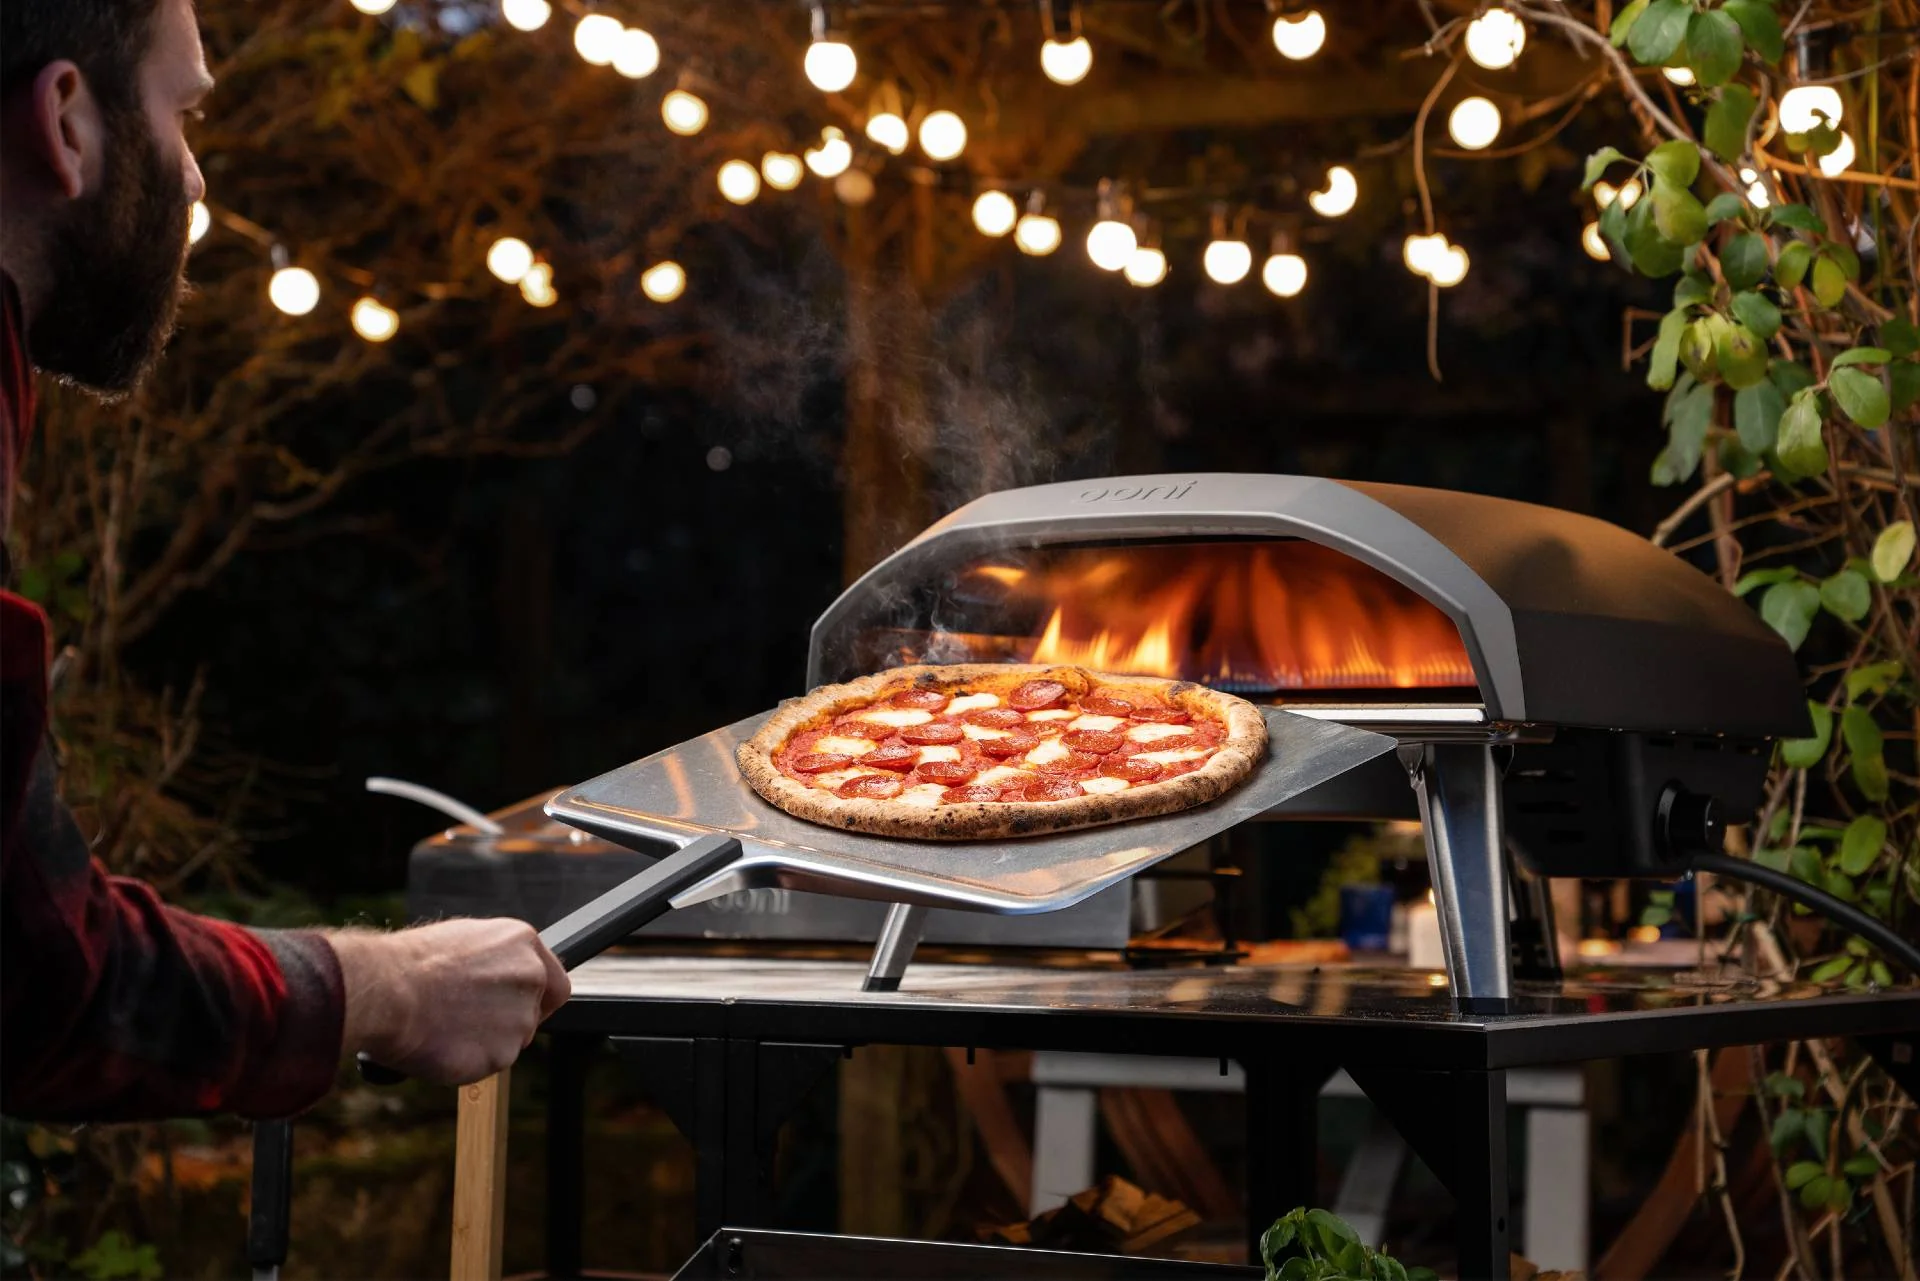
{"x":115,"y":1006}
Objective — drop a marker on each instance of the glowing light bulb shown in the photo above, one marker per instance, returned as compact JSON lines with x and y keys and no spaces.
{"x":1604,"y":192}
{"x":1757,"y":195}
{"x":831,"y":65}
{"x":526,"y":15}
{"x":685,"y":113}
{"x":373,"y":6}
{"x":943,"y":135}
{"x":739,"y":182}
{"x":1145,"y":267}
{"x":294,"y":290}
{"x":783,"y":172}
{"x":1678,"y":75}
{"x":664,"y":281}
{"x":1066,"y":62}
{"x":1803,"y":106}
{"x":831,"y":158}
{"x":1110,"y":244}
{"x":1450,"y":268}
{"x":596,"y":38}
{"x":373,"y":320}
{"x":1284,"y":275}
{"x":854,"y":187}
{"x":537,"y":286}
{"x":1495,"y":39}
{"x":1037,"y":234}
{"x":1840,"y":159}
{"x":1227,"y":262}
{"x":1629,"y":193}
{"x":994,"y":213}
{"x":889,"y":131}
{"x":199,"y":222}
{"x":1423,"y":253}
{"x":1300,"y":38}
{"x":1474,"y":123}
{"x":636,"y":55}
{"x":1594,"y":243}
{"x":1338,"y":196}
{"x":509,"y":258}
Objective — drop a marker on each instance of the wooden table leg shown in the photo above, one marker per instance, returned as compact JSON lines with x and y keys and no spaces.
{"x":480,"y":1180}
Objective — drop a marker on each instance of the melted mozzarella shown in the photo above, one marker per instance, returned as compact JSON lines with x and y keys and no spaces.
{"x":1174,"y":757}
{"x":1003,"y":775}
{"x":844,"y":746}
{"x":1103,"y":723}
{"x":938,"y":753}
{"x":897,"y":717}
{"x":1154,"y":733}
{"x":1103,"y":784}
{"x":1049,"y":751}
{"x":1053,"y":714}
{"x":977,"y":732}
{"x":834,"y":779}
{"x":968,"y":702}
{"x":928,"y":794}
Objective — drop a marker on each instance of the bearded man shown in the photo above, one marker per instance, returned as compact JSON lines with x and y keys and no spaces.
{"x":115,"y":1005}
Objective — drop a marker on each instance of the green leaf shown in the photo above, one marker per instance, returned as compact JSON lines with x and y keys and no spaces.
{"x":1726,"y":127}
{"x":1791,"y":377}
{"x":1677,"y":212}
{"x":1862,"y":395}
{"x":1903,"y":384}
{"x":1865,"y":752}
{"x":1831,"y":969}
{"x":1873,"y":678}
{"x":1892,"y":550}
{"x":1744,"y":260}
{"x":1801,"y":445}
{"x":1881,"y":974}
{"x":1697,"y":347}
{"x":1829,"y":281}
{"x":1659,"y":31}
{"x":1799,"y":217}
{"x":1757,"y":312}
{"x":1738,"y":459}
{"x":1760,"y":25}
{"x":1756,"y":415}
{"x":1781,"y":1085}
{"x":1801,"y":1173}
{"x":1714,"y":47}
{"x":1862,"y":356}
{"x":1795,"y":258}
{"x":1817,"y":1132}
{"x":1689,"y":412}
{"x":1804,"y":753}
{"x":1742,"y":357}
{"x":1692,"y":287}
{"x":1723,"y":207}
{"x":1624,"y":20}
{"x":1764,"y":578}
{"x":1789,"y":608}
{"x":1863,"y":1166}
{"x":1666,"y":350}
{"x":1860,"y":847}
{"x":1597,"y":164}
{"x":1652,"y":253}
{"x":1677,"y":161}
{"x":1845,"y":595}
{"x":1900,"y":337}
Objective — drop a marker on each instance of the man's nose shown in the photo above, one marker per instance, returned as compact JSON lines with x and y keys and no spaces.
{"x":196,"y":182}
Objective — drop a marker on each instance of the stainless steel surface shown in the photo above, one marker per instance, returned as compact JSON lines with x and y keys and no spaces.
{"x":898,"y":937}
{"x":1459,"y":791}
{"x":695,"y":789}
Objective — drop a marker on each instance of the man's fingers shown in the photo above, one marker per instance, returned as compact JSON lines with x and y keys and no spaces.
{"x":559,"y":986}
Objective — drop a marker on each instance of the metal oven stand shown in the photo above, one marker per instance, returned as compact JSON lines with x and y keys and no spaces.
{"x":1458,"y":786}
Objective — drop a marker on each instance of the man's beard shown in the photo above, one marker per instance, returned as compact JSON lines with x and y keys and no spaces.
{"x":115,"y":268}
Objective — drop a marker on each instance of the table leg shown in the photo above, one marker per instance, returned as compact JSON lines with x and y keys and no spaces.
{"x":480,"y":1180}
{"x":1283,"y":1141}
{"x":1478,"y":1106}
{"x":567,"y":1061}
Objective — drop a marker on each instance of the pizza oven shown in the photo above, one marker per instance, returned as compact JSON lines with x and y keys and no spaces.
{"x":1561,"y":690}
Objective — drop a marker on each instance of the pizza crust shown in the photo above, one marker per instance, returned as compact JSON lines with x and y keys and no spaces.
{"x":1230,"y":764}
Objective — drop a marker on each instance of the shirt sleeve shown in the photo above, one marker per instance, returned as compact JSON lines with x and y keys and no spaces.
{"x":118,"y":1007}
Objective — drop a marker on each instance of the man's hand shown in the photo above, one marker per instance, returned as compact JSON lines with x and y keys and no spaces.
{"x":451,"y":1002}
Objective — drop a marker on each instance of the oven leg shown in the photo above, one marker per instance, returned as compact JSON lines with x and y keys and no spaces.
{"x":567,"y":1059}
{"x":898,"y":938}
{"x":1458,"y":786}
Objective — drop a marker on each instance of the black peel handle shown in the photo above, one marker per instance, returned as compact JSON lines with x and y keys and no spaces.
{"x":587,"y":931}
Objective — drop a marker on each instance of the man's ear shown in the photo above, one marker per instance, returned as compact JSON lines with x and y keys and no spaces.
{"x":64,"y":129}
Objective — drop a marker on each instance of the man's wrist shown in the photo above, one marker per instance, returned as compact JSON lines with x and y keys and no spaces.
{"x":377,"y":1013}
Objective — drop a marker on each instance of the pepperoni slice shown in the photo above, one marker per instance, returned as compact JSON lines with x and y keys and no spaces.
{"x":1051,"y":789}
{"x":1071,"y":763}
{"x":948,"y":773}
{"x":1131,"y":768}
{"x":894,"y":756}
{"x":1101,"y":703}
{"x":925,"y":700}
{"x":1035,"y":695}
{"x":1011,"y":745}
{"x":975,"y":792}
{"x":818,"y":762}
{"x":1161,"y":715}
{"x":870,"y":787}
{"x":1097,"y":741}
{"x":933,"y":733}
{"x":993,"y":717}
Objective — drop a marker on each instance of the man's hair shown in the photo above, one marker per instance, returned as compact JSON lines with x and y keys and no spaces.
{"x":106,"y":39}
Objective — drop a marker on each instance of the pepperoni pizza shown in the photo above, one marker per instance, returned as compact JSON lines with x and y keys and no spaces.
{"x":977,"y":751}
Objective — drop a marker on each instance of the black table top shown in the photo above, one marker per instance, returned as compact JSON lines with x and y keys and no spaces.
{"x":1388,"y":1017}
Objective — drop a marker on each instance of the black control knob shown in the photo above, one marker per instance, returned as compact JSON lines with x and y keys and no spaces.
{"x":1687,"y":823}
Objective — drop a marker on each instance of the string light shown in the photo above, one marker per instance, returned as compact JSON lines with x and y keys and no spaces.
{"x":889,"y":131}
{"x":1037,"y":234}
{"x":831,"y":158}
{"x":1450,"y":269}
{"x":373,"y":320}
{"x":1594,"y":243}
{"x":782,"y":171}
{"x":199,"y":222}
{"x":596,"y":37}
{"x":1604,"y":193}
{"x":375,"y":7}
{"x":1423,"y":253}
{"x":1111,"y":242}
{"x":1285,"y":272}
{"x":1840,"y":159}
{"x":1227,"y":262}
{"x":509,"y":258}
{"x":526,"y":15}
{"x":1757,"y":194}
{"x":1682,"y":76}
{"x":1066,"y":62}
{"x":537,"y":286}
{"x":1299,"y":38}
{"x":1803,"y":106}
{"x":685,"y":113}
{"x":1495,"y":39}
{"x":830,"y":64}
{"x":294,"y":290}
{"x":1338,"y":196}
{"x":1474,"y":123}
{"x":1146,"y":267}
{"x":636,"y":55}
{"x":854,"y":187}
{"x":994,"y":213}
{"x":664,"y":281}
{"x":943,"y":135}
{"x":739,"y":182}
